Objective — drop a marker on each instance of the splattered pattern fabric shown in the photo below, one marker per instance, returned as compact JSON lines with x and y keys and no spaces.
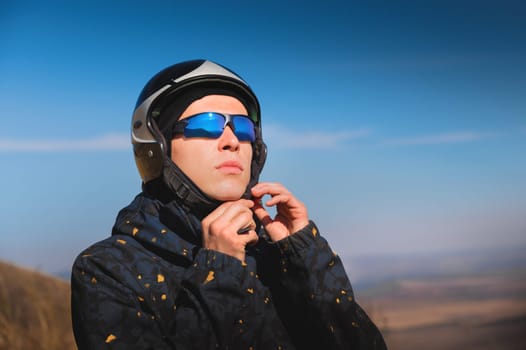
{"x":151,"y":286}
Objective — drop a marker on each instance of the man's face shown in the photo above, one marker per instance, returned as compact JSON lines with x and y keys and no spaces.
{"x":219,"y":167}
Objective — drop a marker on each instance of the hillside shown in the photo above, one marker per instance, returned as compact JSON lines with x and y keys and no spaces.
{"x":34,"y":311}
{"x":476,"y":308}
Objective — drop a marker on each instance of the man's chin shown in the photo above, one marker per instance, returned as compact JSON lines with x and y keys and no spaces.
{"x":227,"y":195}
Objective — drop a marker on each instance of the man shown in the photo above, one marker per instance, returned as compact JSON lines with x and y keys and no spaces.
{"x":196,"y":261}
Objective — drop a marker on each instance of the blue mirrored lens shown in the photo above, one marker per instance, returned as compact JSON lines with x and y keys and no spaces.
{"x":211,"y":125}
{"x":244,"y":128}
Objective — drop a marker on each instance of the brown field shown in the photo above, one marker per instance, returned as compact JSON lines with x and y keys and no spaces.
{"x":465,"y":312}
{"x":34,"y":311}
{"x":486,"y":311}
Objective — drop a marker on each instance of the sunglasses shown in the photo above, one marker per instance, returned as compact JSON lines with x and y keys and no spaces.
{"x":212,"y":124}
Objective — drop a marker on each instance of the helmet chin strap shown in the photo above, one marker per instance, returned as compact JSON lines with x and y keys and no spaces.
{"x":186,"y":191}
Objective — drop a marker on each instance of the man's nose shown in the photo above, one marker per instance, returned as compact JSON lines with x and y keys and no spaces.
{"x":228,"y":140}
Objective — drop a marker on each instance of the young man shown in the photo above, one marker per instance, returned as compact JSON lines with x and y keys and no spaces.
{"x":196,"y":261}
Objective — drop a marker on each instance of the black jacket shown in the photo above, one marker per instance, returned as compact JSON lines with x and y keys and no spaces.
{"x":151,"y":286}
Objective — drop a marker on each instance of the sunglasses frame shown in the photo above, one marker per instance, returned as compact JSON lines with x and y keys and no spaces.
{"x":179,"y":127}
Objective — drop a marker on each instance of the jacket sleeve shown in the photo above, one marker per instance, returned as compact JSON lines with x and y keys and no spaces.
{"x":109,"y":313}
{"x":315,"y":299}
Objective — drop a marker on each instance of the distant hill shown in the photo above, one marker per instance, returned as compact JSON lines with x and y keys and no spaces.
{"x":34,"y":311}
{"x":368,"y":271}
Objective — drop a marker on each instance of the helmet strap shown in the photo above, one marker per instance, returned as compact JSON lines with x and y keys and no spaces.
{"x":186,"y":191}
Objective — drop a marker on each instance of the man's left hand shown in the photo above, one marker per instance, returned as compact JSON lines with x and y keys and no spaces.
{"x":291,"y":214}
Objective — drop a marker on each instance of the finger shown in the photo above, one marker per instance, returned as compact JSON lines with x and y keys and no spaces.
{"x":271,"y":188}
{"x":245,"y":229}
{"x":240,"y":219}
{"x":218,"y":212}
{"x":228,"y":210}
{"x":262,"y":214}
{"x":280,"y":198}
{"x":251,"y":238}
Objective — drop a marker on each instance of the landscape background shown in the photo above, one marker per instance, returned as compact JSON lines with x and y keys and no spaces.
{"x":401,"y":125}
{"x":434,"y":302}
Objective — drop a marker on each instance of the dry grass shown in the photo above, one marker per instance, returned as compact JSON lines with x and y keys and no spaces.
{"x":486,"y":312}
{"x":34,"y":311}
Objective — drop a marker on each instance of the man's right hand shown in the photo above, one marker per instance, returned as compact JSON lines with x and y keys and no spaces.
{"x":220,"y":228}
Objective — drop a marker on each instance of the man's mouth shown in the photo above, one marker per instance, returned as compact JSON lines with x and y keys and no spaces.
{"x":230,"y":167}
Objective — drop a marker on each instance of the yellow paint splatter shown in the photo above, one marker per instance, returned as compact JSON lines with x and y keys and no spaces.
{"x":343,"y":292}
{"x":163,"y":297}
{"x":139,"y":277}
{"x":337,"y":300}
{"x":134,"y":231}
{"x":110,"y":338}
{"x":138,"y":314}
{"x":266,"y":300}
{"x":163,"y":231}
{"x":147,"y":285}
{"x":314,"y":231}
{"x":121,"y":241}
{"x":349,"y":298}
{"x":93,"y":280}
{"x":154,"y":239}
{"x":250,"y":290}
{"x":210,"y":277}
{"x":140,"y":298}
{"x":160,"y":278}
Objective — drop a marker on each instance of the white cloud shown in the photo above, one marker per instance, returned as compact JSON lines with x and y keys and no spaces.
{"x":279,"y":137}
{"x":102,"y":143}
{"x":439,"y":139}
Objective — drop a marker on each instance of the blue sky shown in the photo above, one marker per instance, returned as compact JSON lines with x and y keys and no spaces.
{"x":401,"y":124}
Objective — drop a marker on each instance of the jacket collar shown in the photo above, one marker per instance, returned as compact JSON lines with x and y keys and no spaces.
{"x":166,"y":229}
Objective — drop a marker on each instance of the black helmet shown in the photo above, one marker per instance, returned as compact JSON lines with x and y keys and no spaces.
{"x":161,"y":102}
